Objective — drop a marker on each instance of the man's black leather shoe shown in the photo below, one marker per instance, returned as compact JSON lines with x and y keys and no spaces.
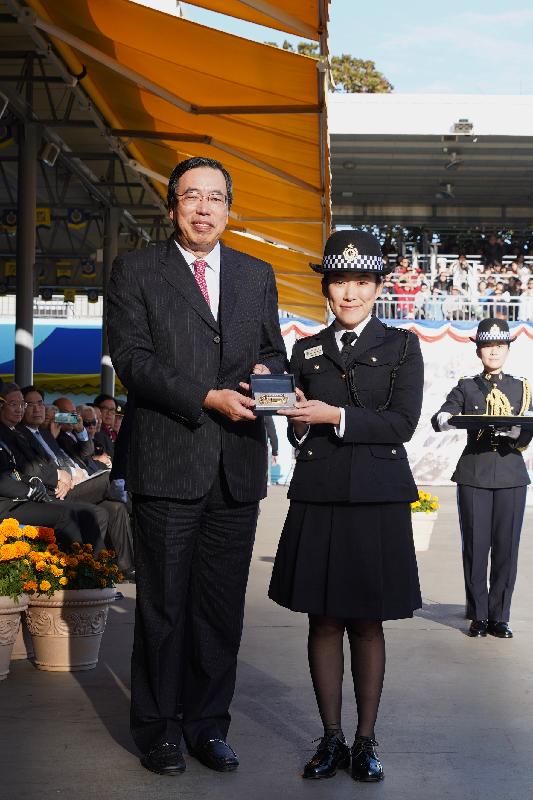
{"x":216,"y":754}
{"x":366,"y":766}
{"x":331,"y":754}
{"x":164,"y":759}
{"x":478,"y":627}
{"x":500,"y":629}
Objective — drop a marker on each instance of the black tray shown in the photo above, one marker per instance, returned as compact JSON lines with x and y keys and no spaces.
{"x":477,"y":421}
{"x":278,"y":389}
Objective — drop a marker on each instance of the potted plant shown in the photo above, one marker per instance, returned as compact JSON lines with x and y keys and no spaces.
{"x":69,"y":598}
{"x":424,"y":514}
{"x":15,"y":569}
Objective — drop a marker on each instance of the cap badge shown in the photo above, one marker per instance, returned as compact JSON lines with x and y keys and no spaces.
{"x":350,"y":253}
{"x":495,"y":330}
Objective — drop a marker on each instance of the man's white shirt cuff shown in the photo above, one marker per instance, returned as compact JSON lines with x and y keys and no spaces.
{"x":340,"y":428}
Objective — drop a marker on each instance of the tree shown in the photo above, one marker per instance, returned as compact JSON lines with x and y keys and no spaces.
{"x":349,"y":74}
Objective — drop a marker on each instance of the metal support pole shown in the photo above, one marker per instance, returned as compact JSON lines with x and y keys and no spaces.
{"x":111,"y":226}
{"x":26,"y":201}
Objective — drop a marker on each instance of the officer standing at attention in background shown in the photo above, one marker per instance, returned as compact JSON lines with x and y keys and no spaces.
{"x":346,"y":554}
{"x":491,"y":479}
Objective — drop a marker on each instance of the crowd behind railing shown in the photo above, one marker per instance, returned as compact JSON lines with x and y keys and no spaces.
{"x":458,"y":287}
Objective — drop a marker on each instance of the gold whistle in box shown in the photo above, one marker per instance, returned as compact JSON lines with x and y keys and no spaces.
{"x":272,"y":399}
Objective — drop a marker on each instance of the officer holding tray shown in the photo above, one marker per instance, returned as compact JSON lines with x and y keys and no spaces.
{"x":491,"y":478}
{"x":346,"y":554}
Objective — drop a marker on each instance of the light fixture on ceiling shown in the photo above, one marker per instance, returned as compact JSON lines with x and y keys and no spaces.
{"x":347,"y":194}
{"x":454,"y":162}
{"x":446,"y":192}
{"x":463,"y":127}
{"x":348,"y":164}
{"x":49,"y":153}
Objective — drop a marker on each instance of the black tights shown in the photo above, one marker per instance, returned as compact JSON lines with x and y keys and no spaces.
{"x":326,"y":662}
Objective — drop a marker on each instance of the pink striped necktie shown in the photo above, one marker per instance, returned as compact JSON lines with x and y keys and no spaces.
{"x":199,"y":274}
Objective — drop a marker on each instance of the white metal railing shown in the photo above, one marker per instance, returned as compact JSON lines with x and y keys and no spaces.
{"x":56,"y":308}
{"x":452,"y":307}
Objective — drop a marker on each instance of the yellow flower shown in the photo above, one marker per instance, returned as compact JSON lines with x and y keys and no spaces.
{"x":63,"y":561}
{"x":63,"y":581}
{"x":30,"y":586}
{"x":40,"y":566}
{"x":30,"y":532}
{"x":102,"y":583}
{"x":56,"y":571}
{"x":44,"y":586}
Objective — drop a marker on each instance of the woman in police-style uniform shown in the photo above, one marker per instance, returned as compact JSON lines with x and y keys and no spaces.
{"x":492,"y":480}
{"x":346,"y":554}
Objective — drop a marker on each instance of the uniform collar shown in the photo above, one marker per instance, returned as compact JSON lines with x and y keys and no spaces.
{"x":338,"y":330}
{"x":492,"y":376}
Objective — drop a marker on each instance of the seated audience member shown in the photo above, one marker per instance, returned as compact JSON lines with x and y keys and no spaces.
{"x":433,"y":307}
{"x":454,"y":306}
{"x":442,"y":283}
{"x":525,"y":310}
{"x":106,"y":435}
{"x":460,"y":272}
{"x":31,"y":465}
{"x":514,"y":290}
{"x":492,"y":249}
{"x":402,"y":265}
{"x":420,"y":300}
{"x":90,"y":423}
{"x":119,"y":416}
{"x":73,"y":438}
{"x":500,"y":302}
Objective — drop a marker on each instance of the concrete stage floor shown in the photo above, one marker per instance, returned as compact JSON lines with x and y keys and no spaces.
{"x":456,"y":717}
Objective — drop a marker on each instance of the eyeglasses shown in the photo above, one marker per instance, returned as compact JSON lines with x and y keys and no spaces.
{"x":107,"y":408}
{"x":15,"y":404}
{"x":193,"y":197}
{"x":89,"y":423}
{"x":36,"y":403}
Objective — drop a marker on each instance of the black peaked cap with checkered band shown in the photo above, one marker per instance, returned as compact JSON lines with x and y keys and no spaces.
{"x":357,"y":251}
{"x":492,"y":330}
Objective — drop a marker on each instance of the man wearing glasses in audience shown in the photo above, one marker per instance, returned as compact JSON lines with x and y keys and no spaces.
{"x":107,"y":436}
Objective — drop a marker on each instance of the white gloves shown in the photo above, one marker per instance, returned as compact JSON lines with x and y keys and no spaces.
{"x":442,"y":421}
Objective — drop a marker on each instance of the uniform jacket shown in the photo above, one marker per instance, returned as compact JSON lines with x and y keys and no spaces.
{"x":169,"y":351}
{"x":480,"y":465}
{"x":12,"y":490}
{"x":369,"y":464}
{"x":30,"y":458}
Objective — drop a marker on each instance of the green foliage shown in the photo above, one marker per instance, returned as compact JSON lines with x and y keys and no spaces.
{"x":349,"y":74}
{"x":13,"y":575}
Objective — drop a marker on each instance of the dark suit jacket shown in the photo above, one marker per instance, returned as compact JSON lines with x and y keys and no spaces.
{"x":169,"y":351}
{"x":30,"y":458}
{"x":480,"y":464}
{"x":78,"y":451}
{"x":369,"y":464}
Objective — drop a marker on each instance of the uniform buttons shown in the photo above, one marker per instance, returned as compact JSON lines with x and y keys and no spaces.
{"x":393,"y":452}
{"x":476,"y":407}
{"x":317,"y":366}
{"x":309,"y":452}
{"x":216,"y":339}
{"x":373,"y":358}
{"x":343,"y":376}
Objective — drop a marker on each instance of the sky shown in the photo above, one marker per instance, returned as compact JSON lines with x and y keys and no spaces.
{"x":456,"y":47}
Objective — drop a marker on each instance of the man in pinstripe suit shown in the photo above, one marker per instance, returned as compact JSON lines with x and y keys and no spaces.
{"x":188,"y":320}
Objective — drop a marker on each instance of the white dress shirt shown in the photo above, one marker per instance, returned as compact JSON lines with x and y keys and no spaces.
{"x":212,"y":273}
{"x":339,"y":331}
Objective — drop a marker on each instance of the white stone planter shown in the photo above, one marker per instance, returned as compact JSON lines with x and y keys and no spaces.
{"x":422,"y":529}
{"x":9,"y":624}
{"x":67,"y":628}
{"x":23,"y":647}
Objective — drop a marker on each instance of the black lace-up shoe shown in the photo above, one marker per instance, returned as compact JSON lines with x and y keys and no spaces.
{"x":499,"y":629}
{"x":165,"y":759}
{"x":478,"y":627}
{"x":366,"y":766}
{"x":331,"y":754}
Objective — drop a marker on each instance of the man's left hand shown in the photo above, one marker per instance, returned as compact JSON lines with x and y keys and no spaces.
{"x":313,"y":412}
{"x":260,"y":369}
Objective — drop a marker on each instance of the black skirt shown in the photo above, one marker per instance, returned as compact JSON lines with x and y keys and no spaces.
{"x":346,"y":560}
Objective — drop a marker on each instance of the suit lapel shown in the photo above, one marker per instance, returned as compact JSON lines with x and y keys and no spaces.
{"x":178,"y":273}
{"x":229,"y":288}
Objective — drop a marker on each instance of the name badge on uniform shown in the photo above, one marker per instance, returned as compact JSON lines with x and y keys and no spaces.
{"x":312,"y":352}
